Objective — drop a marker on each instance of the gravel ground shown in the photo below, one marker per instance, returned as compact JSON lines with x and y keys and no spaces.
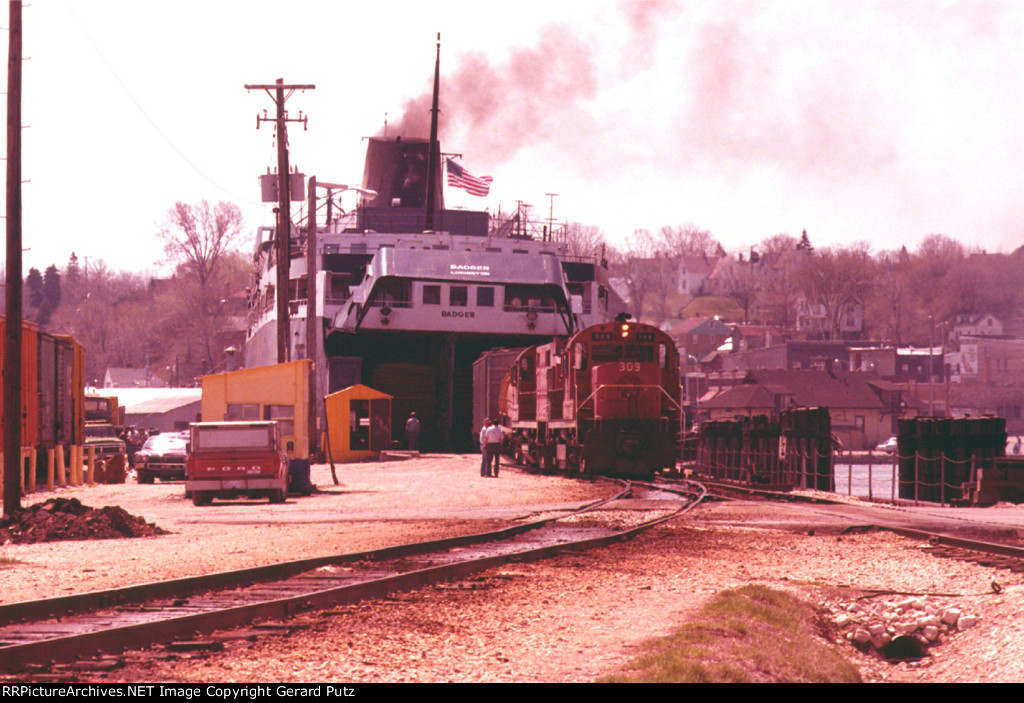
{"x":376,"y":505}
{"x":572,"y":618}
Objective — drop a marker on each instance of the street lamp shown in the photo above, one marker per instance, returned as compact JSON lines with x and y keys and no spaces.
{"x":340,"y":188}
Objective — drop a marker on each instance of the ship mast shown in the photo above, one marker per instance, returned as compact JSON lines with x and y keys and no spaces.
{"x":433,"y":162}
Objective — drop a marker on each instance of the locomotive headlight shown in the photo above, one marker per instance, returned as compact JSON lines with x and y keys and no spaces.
{"x":625,"y":330}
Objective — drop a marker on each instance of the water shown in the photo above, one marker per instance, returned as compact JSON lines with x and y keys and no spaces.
{"x":852,"y":479}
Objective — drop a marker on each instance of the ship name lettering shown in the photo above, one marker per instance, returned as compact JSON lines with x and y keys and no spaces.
{"x":470,"y":269}
{"x":457,"y":313}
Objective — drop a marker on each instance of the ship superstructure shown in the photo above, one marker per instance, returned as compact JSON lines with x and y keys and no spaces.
{"x":408,"y":294}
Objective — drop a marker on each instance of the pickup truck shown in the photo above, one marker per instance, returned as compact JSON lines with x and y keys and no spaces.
{"x":103,"y":437}
{"x":229,"y":459}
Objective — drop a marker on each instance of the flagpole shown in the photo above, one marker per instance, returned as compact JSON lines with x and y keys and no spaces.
{"x":435,"y":151}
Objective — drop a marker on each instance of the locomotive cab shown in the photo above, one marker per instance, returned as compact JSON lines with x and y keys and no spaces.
{"x":603,"y":401}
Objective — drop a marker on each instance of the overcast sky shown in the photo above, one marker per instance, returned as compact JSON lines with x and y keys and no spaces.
{"x":855,"y":120}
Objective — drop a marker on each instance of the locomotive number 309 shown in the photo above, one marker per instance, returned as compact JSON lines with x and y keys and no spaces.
{"x":629,"y":366}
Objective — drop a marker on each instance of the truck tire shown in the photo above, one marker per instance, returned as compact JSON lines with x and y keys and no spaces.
{"x":144,"y":478}
{"x":201,"y":498}
{"x":277,"y":496}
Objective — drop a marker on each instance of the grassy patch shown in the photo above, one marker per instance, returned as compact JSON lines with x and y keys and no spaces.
{"x":752,"y":634}
{"x":7,"y":563}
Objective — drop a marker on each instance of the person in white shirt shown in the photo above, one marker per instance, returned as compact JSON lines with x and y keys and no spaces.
{"x":484,"y":459}
{"x":412,"y":430}
{"x":493,"y":437}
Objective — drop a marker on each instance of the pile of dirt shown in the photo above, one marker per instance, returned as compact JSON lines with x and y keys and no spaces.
{"x":67,"y":519}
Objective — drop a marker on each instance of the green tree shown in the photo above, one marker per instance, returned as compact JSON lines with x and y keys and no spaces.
{"x":34,"y":288}
{"x":51,"y":286}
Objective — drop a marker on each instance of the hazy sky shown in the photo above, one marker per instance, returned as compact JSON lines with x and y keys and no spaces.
{"x":877,"y":121}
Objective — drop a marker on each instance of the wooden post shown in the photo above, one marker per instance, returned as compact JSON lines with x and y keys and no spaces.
{"x":51,"y":471}
{"x":76,"y":466}
{"x":62,"y":477}
{"x":917,"y":470}
{"x":849,"y":472}
{"x":92,"y":465}
{"x":895,"y":476}
{"x":32,"y":459}
{"x":942,"y":479}
{"x":871,"y":456}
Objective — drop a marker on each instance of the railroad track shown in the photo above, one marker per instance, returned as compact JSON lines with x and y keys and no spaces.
{"x":1001,"y":555}
{"x":41,"y":633}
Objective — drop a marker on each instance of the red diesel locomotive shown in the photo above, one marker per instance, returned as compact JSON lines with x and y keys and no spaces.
{"x":604,"y":401}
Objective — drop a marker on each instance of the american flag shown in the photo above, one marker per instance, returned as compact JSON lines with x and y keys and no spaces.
{"x":461,"y":178}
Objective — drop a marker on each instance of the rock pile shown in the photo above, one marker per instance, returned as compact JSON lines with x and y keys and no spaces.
{"x":67,"y":519}
{"x":898,"y":629}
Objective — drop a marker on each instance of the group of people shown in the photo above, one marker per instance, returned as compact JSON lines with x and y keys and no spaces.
{"x":490,"y":446}
{"x":491,"y":437}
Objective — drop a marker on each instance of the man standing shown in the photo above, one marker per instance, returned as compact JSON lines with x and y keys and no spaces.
{"x":485,"y":461}
{"x":412,"y":430}
{"x":493,"y":437}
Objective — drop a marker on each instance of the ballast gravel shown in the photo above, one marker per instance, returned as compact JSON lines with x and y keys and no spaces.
{"x":571,"y":618}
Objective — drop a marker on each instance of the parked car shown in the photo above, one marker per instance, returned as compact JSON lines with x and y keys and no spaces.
{"x":1014,"y":445}
{"x":162,"y":457}
{"x":888,"y":446}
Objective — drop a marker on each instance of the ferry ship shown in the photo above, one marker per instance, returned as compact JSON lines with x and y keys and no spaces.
{"x":405,"y":307}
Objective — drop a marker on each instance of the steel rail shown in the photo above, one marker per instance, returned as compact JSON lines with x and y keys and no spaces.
{"x":974,"y":545}
{"x":934,"y":538}
{"x":60,"y":606}
{"x":66,"y":646}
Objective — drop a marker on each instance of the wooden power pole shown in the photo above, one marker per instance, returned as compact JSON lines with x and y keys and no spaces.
{"x":277,"y":93}
{"x":12,"y":341}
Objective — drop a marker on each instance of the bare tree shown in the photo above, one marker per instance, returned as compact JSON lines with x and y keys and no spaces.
{"x":777,"y":247}
{"x":835,"y":277}
{"x":636,"y":265}
{"x":780,"y":263}
{"x":197,"y":238}
{"x":688,"y":240}
{"x":890,"y":305}
{"x":583,"y":241}
{"x":106,"y":317}
{"x":742,"y":281}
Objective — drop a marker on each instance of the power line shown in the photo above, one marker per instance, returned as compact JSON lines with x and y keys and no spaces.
{"x":149,"y":119}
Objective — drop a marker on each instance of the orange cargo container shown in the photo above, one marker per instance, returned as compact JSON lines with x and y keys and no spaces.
{"x":29,"y":380}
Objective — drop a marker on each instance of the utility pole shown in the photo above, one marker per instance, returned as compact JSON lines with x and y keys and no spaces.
{"x":276,"y":91}
{"x":313,"y":327}
{"x":12,"y":341}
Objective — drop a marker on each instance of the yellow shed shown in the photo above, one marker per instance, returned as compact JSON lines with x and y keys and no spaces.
{"x":358,"y":423}
{"x":278,"y":392}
